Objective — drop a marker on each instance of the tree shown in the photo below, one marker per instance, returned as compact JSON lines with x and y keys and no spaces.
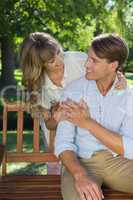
{"x":73,"y":23}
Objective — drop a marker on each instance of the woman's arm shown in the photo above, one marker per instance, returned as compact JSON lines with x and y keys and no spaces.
{"x":38,"y":111}
{"x":55,"y":116}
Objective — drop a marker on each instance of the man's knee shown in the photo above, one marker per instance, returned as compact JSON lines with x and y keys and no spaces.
{"x":67,"y":187}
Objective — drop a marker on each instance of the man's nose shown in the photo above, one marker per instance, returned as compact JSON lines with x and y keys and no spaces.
{"x":88,"y":64}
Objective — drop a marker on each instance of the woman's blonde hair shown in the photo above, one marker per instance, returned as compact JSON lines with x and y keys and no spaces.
{"x":36,"y":50}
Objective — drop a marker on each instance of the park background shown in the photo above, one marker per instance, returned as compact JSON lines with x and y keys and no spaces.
{"x":74,"y":23}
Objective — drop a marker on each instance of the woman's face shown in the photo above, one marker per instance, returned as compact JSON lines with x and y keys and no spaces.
{"x":56,"y":63}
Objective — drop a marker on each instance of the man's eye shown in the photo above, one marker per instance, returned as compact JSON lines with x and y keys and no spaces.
{"x":95,"y":61}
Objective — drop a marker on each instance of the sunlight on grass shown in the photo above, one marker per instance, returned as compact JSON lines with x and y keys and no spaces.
{"x":27,"y":168}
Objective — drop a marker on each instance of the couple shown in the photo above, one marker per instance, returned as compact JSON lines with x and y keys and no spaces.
{"x":95,"y":140}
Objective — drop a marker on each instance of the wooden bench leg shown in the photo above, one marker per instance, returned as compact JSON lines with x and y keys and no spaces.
{"x":1,"y":152}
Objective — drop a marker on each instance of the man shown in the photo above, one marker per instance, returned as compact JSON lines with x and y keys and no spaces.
{"x":95,"y":142}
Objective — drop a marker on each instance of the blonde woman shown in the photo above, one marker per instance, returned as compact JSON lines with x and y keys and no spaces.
{"x":46,"y":71}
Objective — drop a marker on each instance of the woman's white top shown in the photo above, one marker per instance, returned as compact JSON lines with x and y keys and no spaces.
{"x":73,"y":69}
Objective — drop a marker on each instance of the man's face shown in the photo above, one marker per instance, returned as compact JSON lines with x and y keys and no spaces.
{"x":97,"y":68}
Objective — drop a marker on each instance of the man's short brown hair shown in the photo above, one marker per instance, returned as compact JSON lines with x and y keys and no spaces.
{"x":111,"y":47}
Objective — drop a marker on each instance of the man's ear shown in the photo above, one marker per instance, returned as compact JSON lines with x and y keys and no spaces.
{"x":114,"y":65}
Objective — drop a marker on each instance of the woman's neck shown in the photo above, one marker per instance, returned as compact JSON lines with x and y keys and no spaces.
{"x":56,"y":77}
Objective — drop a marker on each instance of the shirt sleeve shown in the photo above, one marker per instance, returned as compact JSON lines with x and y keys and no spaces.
{"x":126,"y":129}
{"x":65,"y":135}
{"x":64,"y":139}
{"x":127,"y":136}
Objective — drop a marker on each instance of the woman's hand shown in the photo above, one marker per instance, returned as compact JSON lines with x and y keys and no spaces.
{"x":57,"y":112}
{"x":76,"y":113}
{"x":39,"y":112}
{"x":122,"y":82}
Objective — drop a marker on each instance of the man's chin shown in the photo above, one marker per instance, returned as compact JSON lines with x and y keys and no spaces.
{"x":89,"y":77}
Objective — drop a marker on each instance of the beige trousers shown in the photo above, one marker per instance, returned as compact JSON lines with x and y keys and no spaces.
{"x":104,"y":168}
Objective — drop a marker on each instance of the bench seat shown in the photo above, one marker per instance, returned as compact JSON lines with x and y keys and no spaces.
{"x":46,"y":187}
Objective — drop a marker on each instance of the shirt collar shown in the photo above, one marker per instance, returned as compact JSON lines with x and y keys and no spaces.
{"x":112,"y":90}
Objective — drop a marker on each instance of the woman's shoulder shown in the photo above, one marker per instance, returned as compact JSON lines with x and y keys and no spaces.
{"x":76,"y":84}
{"x":75,"y":54}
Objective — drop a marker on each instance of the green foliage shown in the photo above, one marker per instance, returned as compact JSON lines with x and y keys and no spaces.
{"x":73,"y":23}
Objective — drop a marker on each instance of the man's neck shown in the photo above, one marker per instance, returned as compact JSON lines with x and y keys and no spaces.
{"x":105,"y":84}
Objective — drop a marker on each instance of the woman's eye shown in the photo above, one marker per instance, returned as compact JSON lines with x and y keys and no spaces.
{"x":51,"y":61}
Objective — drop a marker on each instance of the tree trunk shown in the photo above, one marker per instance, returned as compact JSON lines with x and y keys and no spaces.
{"x":7,"y":61}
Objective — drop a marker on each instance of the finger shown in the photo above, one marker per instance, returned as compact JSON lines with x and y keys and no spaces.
{"x":83,"y":104}
{"x":89,"y":196}
{"x":72,"y":103}
{"x":93,"y":194}
{"x":120,"y":74}
{"x":98,"y":191}
{"x":81,"y":194}
{"x":66,"y":106}
{"x":120,"y":85}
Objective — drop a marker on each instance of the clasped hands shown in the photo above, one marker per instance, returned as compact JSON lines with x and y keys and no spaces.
{"x":76,"y":113}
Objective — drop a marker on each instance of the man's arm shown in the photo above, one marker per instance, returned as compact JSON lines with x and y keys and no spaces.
{"x":109,"y":138}
{"x":85,"y":186}
{"x":66,"y":149}
{"x":121,"y":143}
{"x":70,"y":161}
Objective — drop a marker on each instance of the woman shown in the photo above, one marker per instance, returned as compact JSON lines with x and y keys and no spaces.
{"x":46,"y":71}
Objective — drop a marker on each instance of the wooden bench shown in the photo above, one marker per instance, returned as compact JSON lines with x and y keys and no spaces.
{"x":35,"y":187}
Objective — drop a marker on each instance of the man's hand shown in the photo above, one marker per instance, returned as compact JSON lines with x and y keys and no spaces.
{"x":87,"y":188}
{"x":76,"y":113}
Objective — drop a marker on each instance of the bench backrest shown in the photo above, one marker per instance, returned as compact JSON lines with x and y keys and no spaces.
{"x":19,"y":156}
